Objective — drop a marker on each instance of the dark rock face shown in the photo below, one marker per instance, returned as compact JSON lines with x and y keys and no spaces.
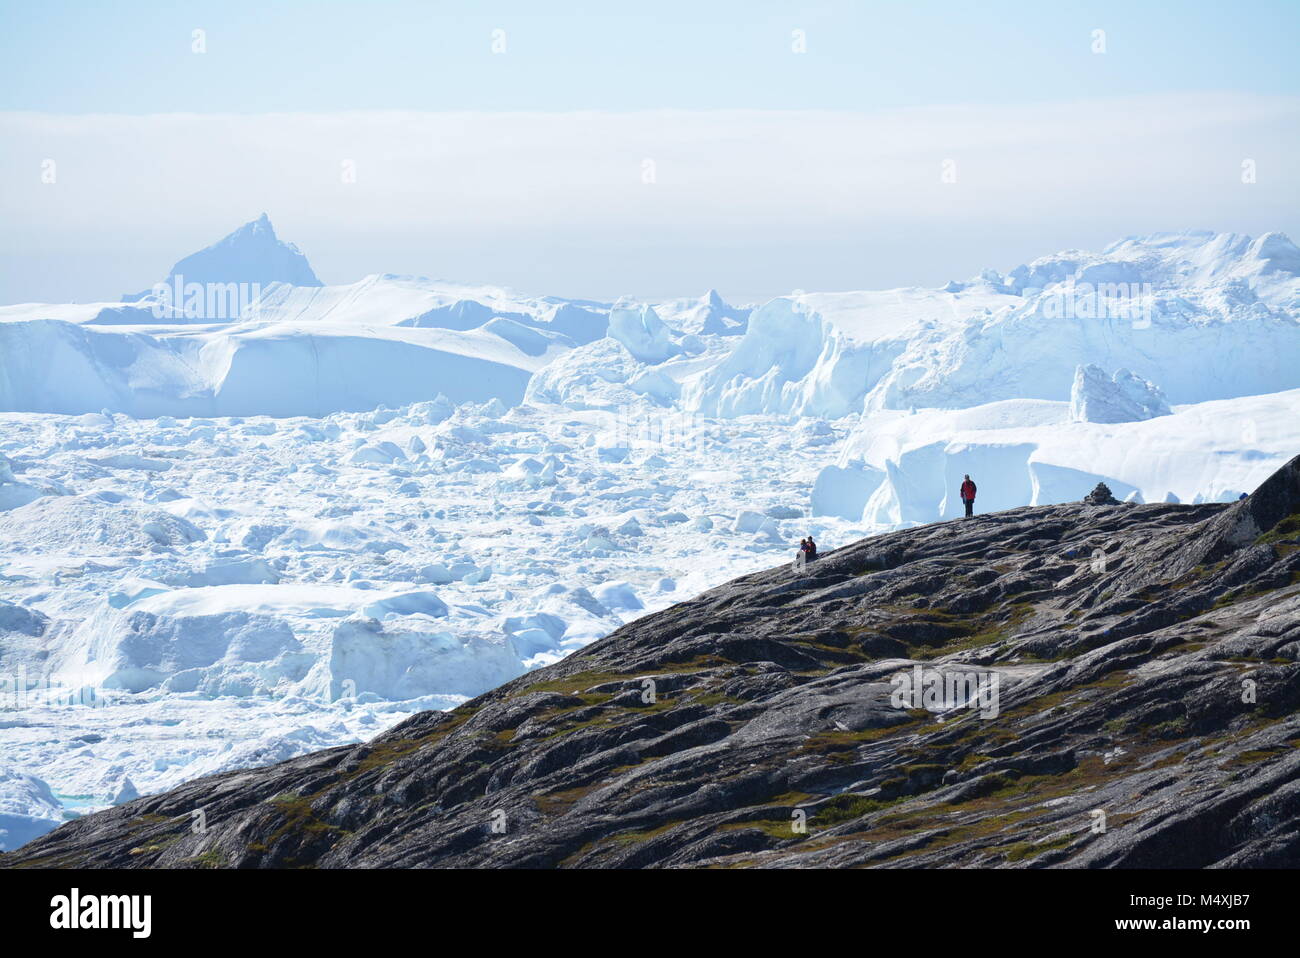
{"x":1121,"y":688}
{"x":1101,"y":496}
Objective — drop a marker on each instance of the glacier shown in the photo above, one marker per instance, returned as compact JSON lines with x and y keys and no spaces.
{"x":1205,"y":316}
{"x":228,"y":540}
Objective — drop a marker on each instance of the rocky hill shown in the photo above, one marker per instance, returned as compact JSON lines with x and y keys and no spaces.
{"x":1135,"y":673}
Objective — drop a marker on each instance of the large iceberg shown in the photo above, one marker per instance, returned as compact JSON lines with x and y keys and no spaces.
{"x":1205,"y":315}
{"x":252,"y":254}
{"x":898,"y":468}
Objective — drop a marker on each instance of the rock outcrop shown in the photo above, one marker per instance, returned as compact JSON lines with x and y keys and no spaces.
{"x":1050,"y":686}
{"x":1101,"y":496}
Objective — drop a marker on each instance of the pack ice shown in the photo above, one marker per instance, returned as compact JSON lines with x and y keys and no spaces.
{"x":229,"y":539}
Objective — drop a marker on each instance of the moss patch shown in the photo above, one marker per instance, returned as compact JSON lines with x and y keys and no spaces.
{"x":846,"y":808}
{"x":1022,"y":850}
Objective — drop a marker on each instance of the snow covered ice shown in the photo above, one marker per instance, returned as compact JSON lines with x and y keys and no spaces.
{"x":225,"y":541}
{"x":1123,"y":397}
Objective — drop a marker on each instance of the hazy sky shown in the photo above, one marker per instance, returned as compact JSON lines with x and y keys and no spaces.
{"x":649,"y":149}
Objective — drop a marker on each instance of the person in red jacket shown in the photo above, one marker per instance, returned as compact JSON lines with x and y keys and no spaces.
{"x":968,"y":496}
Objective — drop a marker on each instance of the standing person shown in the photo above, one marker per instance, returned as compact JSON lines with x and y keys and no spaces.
{"x":968,"y":496}
{"x":801,"y":557}
{"x":812,"y":549}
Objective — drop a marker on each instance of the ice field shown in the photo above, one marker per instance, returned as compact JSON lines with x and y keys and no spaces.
{"x":229,"y":540}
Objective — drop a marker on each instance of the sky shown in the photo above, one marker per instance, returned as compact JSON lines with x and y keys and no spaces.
{"x":645,"y":149}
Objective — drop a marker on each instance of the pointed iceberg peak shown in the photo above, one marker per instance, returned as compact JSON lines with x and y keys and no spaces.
{"x":259,"y":225}
{"x":715,"y":315}
{"x":251,"y":255}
